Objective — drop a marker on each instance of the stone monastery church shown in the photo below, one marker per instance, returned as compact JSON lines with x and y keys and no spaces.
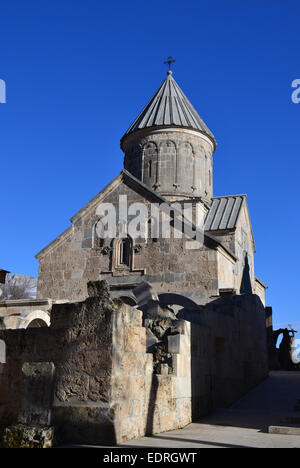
{"x":133,"y":336}
{"x":168,"y":157}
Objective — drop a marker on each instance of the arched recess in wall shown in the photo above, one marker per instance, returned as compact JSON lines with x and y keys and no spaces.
{"x":150,"y":163}
{"x":37,"y":323}
{"x":153,"y":229}
{"x":97,"y":229}
{"x":186,"y":163}
{"x":168,"y":164}
{"x":37,"y":319}
{"x":122,"y":249}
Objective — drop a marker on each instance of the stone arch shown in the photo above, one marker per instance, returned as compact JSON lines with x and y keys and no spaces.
{"x":168,"y":165}
{"x":186,"y":164}
{"x":126,"y":296}
{"x":37,"y":318}
{"x":37,"y":323}
{"x":150,"y":156}
{"x":169,"y":143}
{"x":154,"y":227}
{"x":95,"y":237}
{"x":122,"y":252}
{"x":166,"y":299}
{"x":188,"y":145}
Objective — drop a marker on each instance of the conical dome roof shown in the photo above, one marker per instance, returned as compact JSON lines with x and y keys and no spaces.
{"x":169,"y":107}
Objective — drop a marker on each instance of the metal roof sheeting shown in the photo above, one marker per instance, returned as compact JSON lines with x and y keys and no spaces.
{"x":169,"y":106}
{"x":224,"y":212}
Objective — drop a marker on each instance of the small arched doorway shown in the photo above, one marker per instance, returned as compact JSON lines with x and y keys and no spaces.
{"x":37,"y":323}
{"x":36,"y":319}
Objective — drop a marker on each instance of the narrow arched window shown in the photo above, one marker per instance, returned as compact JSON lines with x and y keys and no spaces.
{"x":124,"y":252}
{"x":123,"y":249}
{"x":150,"y":169}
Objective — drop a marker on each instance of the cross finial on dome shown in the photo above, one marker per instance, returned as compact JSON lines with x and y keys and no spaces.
{"x":169,"y":62}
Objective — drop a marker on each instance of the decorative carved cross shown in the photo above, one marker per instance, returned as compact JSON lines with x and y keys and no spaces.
{"x":169,"y":62}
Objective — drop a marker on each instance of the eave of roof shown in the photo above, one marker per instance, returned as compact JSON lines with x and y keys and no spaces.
{"x":261,"y":283}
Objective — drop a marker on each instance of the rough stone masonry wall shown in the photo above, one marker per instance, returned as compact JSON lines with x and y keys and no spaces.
{"x":171,"y":264}
{"x":146,"y":402}
{"x":181,"y":161}
{"x":229,"y":352}
{"x":103,"y":388}
{"x":79,"y":343}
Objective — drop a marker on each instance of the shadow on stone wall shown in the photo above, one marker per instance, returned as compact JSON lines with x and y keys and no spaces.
{"x":79,"y":345}
{"x":229,"y":354}
{"x":109,"y":385}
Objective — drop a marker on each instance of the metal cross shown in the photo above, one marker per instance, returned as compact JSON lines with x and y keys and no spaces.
{"x":169,"y":62}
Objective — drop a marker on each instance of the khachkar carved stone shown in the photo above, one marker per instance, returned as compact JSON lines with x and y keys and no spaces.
{"x":106,"y":250}
{"x":138,"y":248}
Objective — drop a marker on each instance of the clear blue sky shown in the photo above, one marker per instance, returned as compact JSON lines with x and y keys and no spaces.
{"x":77,"y":74}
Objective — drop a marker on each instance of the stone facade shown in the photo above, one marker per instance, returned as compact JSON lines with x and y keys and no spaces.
{"x":172,"y":265}
{"x":166,"y":162}
{"x":177,"y":163}
{"x":91,"y":374}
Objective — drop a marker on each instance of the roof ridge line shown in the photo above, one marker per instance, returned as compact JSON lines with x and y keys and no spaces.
{"x":230,"y":196}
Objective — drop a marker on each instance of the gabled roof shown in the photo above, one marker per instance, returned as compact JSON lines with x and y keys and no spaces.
{"x":122,"y":176}
{"x":125,"y":176}
{"x":137,"y":185}
{"x":170,"y":107}
{"x":224,"y":212}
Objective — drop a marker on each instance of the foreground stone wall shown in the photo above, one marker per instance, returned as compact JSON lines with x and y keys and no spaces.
{"x":107,"y":389}
{"x":146,"y":402}
{"x":104,"y":390}
{"x":229,"y":352}
{"x":79,"y":344}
